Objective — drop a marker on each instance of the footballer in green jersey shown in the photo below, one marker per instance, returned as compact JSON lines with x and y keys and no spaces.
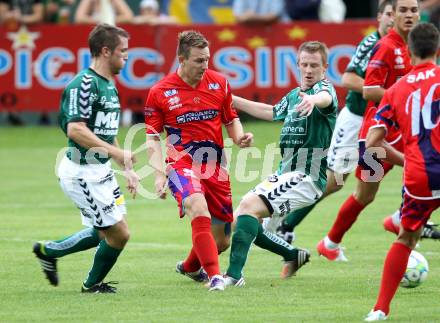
{"x":309,"y":114}
{"x":89,"y":117}
{"x":304,"y":139}
{"x":93,"y":99}
{"x":343,"y":154}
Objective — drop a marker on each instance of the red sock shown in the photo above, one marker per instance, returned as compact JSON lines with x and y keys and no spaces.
{"x":347,"y":215}
{"x":204,"y":245}
{"x":191,"y":262}
{"x":393,"y":271}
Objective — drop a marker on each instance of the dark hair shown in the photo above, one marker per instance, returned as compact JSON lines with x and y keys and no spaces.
{"x":423,"y":40}
{"x":105,"y":35}
{"x":394,"y":4}
{"x":313,"y":47}
{"x":190,"y":38}
{"x":383,"y":4}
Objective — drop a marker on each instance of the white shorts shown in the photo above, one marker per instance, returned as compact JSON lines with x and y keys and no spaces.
{"x":285,"y":193}
{"x":343,"y":154}
{"x":95,"y":191}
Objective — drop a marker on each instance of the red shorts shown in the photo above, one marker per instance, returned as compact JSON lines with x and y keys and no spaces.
{"x":393,"y":135}
{"x":212,"y":181}
{"x":415,"y":213}
{"x":364,"y":171}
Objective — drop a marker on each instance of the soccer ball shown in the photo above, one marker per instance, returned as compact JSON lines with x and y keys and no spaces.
{"x":416,"y":271}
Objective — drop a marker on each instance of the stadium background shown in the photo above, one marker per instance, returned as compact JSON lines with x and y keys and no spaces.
{"x":37,"y":61}
{"x":33,"y":207}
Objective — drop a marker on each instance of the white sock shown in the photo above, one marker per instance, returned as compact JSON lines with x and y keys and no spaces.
{"x":396,"y":218}
{"x":330,"y":244}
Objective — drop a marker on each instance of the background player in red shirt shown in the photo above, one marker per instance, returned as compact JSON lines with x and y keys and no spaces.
{"x":412,"y":105}
{"x":389,"y":61}
{"x":191,"y":105}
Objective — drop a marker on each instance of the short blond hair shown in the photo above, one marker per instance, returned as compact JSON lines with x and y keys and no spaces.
{"x":188,"y":39}
{"x":314,"y":47}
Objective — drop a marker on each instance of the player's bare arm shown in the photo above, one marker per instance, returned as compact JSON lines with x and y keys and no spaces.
{"x":154,"y":153}
{"x":251,"y":17}
{"x":375,"y":138}
{"x":374,"y":94}
{"x":82,"y":135}
{"x":256,"y":109}
{"x":352,"y":81}
{"x":124,"y":13}
{"x":237,"y":134}
{"x":36,"y":16}
{"x":131,"y":176}
{"x":320,"y":100}
{"x":82,"y":16}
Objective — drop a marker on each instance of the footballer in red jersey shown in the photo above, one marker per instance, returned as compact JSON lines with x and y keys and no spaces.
{"x":389,"y":61}
{"x":191,"y":105}
{"x":412,"y":104}
{"x":191,"y":117}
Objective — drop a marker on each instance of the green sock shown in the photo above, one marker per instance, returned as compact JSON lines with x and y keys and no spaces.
{"x":105,"y":258}
{"x":79,"y":241}
{"x":275,"y":244}
{"x":294,"y":218}
{"x":245,"y":232}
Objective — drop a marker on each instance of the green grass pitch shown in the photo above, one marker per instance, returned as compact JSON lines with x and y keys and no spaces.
{"x":33,"y":207}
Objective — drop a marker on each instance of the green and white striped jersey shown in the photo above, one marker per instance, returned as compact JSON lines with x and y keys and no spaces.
{"x":304,"y":140}
{"x":93,"y":99}
{"x":358,"y":65}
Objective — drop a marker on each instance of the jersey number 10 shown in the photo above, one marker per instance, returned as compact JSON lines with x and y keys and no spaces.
{"x":425,"y":112}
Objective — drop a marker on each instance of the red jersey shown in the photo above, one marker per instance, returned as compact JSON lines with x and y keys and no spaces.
{"x":413,"y":105}
{"x":192,"y":117}
{"x":389,"y":61}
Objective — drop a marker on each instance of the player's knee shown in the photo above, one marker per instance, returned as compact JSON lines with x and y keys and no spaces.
{"x":198,"y":211}
{"x":364,"y":198}
{"x":118,"y":239}
{"x":249,"y":205}
{"x":122,"y":237}
{"x":335,"y":181}
{"x":337,"y":188}
{"x":407,"y":238}
{"x":125,"y":237}
{"x":409,"y":242}
{"x":243,"y":207}
{"x":333,"y":188}
{"x":196,"y":208}
{"x":367,"y":199}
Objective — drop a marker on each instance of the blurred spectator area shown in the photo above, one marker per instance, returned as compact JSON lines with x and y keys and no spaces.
{"x":186,"y":11}
{"x":103,"y":11}
{"x":199,"y":12}
{"x":430,"y":11}
{"x":361,"y":9}
{"x":22,"y":12}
